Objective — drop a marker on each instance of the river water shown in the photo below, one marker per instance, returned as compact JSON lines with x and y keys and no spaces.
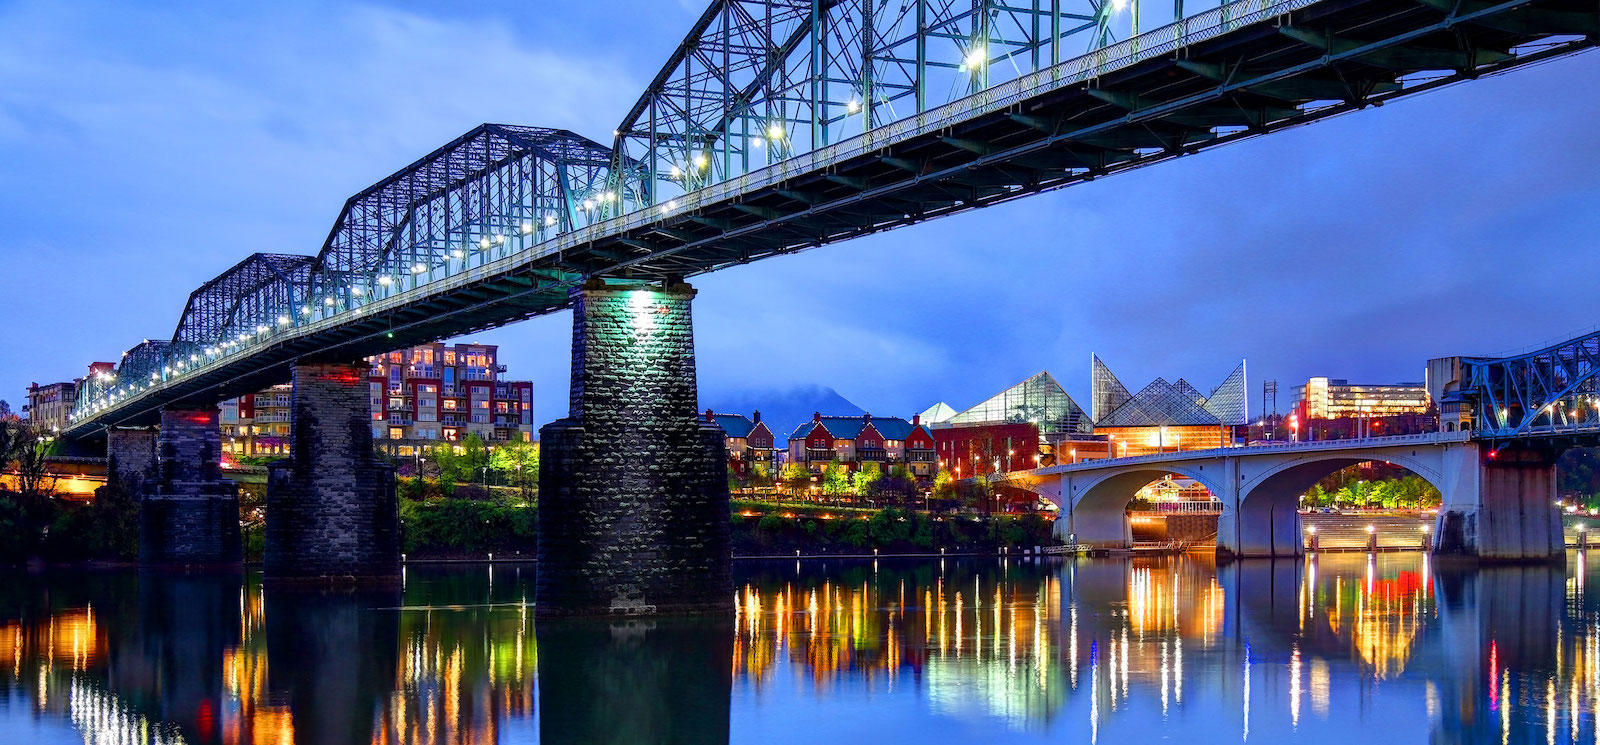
{"x":1342,"y":648}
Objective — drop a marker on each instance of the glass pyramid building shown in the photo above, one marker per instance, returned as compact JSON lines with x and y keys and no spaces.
{"x":1039,"y":399}
{"x":1167,"y":404}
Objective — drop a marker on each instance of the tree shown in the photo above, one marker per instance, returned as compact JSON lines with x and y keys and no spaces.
{"x":865,"y":476}
{"x":517,"y":462}
{"x":797,"y":477}
{"x":944,"y":484}
{"x":760,"y":475}
{"x":22,"y":452}
{"x":835,"y":479}
{"x":474,"y":458}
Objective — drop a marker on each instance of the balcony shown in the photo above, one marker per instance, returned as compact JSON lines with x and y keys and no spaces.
{"x":816,"y":454}
{"x":919,"y":456}
{"x":872,"y":455}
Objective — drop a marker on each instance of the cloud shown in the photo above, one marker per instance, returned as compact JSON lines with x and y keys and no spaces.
{"x":150,"y":147}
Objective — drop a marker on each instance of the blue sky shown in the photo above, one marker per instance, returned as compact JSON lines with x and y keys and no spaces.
{"x":146,"y":147}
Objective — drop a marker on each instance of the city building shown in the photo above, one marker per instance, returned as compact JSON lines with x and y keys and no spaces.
{"x":420,"y":397}
{"x":749,"y":441}
{"x":1166,"y":417}
{"x":1010,"y":430}
{"x":977,"y":449}
{"x":49,"y":407}
{"x":853,"y":440}
{"x":1335,"y":398}
{"x":257,"y":423}
{"x":938,"y":413}
{"x":438,"y":393}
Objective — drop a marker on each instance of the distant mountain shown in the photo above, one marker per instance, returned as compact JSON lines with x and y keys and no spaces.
{"x":782,"y":410}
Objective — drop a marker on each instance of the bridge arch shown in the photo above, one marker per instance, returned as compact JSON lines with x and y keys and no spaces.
{"x":1096,"y":504}
{"x":1267,"y":522}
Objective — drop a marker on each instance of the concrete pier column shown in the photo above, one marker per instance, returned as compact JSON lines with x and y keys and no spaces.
{"x":1100,"y":527}
{"x":1499,"y":505}
{"x":633,"y":494}
{"x":189,"y":513}
{"x":1260,"y":531}
{"x":331,"y":509}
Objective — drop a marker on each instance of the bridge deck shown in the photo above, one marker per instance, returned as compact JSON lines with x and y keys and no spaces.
{"x":1241,"y":70}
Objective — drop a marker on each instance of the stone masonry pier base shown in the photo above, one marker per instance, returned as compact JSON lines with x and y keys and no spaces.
{"x":189,"y":514}
{"x":331,"y":510}
{"x":633,"y":494}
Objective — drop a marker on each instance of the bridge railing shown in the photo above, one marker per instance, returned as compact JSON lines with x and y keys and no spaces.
{"x":1182,"y":455}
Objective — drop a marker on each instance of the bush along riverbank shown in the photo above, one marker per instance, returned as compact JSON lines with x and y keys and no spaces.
{"x":471,"y":529}
{"x":766,"y":529}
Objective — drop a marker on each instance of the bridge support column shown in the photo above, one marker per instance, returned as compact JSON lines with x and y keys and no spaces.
{"x":131,"y":458}
{"x":1260,"y":532}
{"x":633,"y":496}
{"x":1500,"y":505}
{"x":331,"y":509}
{"x":189,"y":514}
{"x":1097,"y":528}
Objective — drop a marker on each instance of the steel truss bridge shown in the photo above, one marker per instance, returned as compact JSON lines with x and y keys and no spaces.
{"x":781,"y":125}
{"x":1552,"y":392}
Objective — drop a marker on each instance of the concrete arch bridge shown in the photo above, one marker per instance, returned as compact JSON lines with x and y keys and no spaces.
{"x":1497,"y":503}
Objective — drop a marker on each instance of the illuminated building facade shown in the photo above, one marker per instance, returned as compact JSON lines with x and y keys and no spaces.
{"x":749,"y":441}
{"x":420,"y":397}
{"x":1166,"y":417}
{"x":50,"y":406}
{"x":1334,"y":398}
{"x":853,"y":440}
{"x":1010,"y":430}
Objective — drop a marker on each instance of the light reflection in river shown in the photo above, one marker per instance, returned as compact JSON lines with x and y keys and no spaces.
{"x":1327,"y":649}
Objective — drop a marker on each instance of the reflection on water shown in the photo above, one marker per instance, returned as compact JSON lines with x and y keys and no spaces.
{"x":1322,"y":650}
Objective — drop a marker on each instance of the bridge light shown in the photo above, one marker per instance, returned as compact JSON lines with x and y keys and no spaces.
{"x":483,"y":242}
{"x":676,"y":172}
{"x":327,"y":301}
{"x":283,"y":320}
{"x":853,"y":106}
{"x":499,"y":239}
{"x":527,"y":227}
{"x":756,"y":141}
{"x":588,"y":204}
{"x":357,"y":291}
{"x":456,"y":254}
{"x":549,"y":219}
{"x":978,"y":56}
{"x":261,"y":329}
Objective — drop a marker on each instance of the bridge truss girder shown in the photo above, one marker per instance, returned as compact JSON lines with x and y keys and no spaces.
{"x":495,"y":191}
{"x":1553,"y":389}
{"x":756,"y":82}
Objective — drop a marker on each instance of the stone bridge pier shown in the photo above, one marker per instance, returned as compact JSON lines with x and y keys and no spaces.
{"x":332,"y":515}
{"x":189,"y":513}
{"x":633,"y":491}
